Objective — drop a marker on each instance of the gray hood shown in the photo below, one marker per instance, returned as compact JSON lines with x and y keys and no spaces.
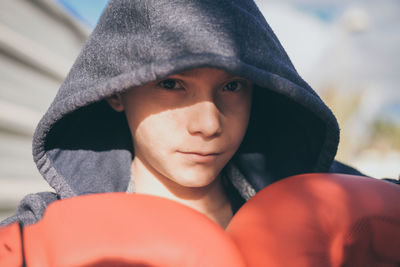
{"x":82,"y":146}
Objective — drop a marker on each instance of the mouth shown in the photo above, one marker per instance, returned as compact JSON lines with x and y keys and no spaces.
{"x":200,"y":157}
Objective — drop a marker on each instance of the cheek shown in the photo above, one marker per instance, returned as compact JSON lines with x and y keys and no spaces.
{"x":156,"y":131}
{"x":237,"y":118}
{"x":237,"y":129}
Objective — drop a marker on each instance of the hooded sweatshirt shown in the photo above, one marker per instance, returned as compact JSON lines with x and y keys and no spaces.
{"x":83,"y":146}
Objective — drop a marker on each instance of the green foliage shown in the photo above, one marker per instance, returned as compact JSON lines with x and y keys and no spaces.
{"x":386,"y":131}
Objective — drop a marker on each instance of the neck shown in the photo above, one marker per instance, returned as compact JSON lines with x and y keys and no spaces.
{"x":210,"y":200}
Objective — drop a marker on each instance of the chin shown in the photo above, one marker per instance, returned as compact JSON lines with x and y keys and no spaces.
{"x":196,"y":180}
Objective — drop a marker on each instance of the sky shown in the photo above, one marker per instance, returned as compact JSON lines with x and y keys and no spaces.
{"x":88,"y":11}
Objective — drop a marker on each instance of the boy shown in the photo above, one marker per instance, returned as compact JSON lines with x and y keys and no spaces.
{"x":192,"y":100}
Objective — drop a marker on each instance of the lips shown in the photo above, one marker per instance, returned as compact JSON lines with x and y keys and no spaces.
{"x":200,"y":157}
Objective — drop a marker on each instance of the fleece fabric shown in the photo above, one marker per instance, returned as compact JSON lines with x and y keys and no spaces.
{"x":82,"y":146}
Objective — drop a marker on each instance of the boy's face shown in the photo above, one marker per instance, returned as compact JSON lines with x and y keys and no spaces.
{"x":187,"y":127}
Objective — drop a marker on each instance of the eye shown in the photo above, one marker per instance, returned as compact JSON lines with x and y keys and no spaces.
{"x":234,"y":86}
{"x":170,"y":84}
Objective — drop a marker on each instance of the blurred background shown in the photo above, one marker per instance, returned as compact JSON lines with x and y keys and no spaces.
{"x":348,"y":51}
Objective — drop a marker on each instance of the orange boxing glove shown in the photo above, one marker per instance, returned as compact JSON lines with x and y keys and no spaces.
{"x":321,"y":220}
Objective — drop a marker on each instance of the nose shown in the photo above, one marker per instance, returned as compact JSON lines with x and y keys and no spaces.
{"x":205,"y":120}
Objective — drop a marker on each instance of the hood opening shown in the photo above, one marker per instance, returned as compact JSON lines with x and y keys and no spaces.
{"x":94,"y":143}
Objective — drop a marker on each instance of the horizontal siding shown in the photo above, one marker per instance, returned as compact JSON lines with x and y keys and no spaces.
{"x":38,"y":44}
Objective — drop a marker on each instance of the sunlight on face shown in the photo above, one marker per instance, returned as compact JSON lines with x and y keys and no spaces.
{"x":186,"y":127}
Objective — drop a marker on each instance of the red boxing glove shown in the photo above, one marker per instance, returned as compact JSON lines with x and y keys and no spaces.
{"x":126,"y":230}
{"x":321,"y":220}
{"x":11,"y":246}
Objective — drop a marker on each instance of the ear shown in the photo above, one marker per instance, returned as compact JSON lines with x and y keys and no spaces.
{"x":115,"y":101}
